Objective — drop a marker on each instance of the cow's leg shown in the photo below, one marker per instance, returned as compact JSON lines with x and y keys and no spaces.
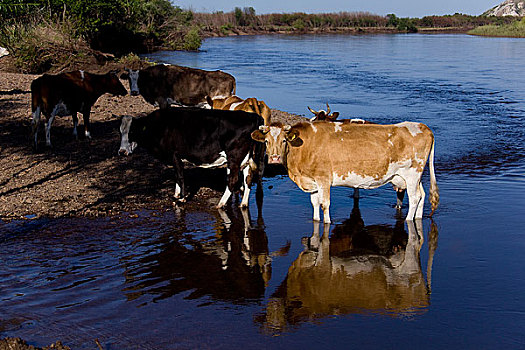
{"x":324,"y":200}
{"x":356,"y":193}
{"x":414,"y":197}
{"x":227,"y":193}
{"x":163,"y":102}
{"x":233,"y":177}
{"x":48,"y":129}
{"x":421,"y":204}
{"x":75,"y":124}
{"x":314,"y":198}
{"x":246,"y":193}
{"x":34,"y":126}
{"x":179,"y":179}
{"x":400,"y":195}
{"x":85,"y":114}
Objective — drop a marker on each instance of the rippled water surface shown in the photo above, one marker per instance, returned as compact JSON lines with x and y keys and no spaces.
{"x":270,"y":277}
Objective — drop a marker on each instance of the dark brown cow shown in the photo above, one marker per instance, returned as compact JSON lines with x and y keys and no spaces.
{"x":168,"y":84}
{"x":66,"y":94}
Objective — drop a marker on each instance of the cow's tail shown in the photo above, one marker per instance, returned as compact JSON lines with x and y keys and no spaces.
{"x":434,"y":190}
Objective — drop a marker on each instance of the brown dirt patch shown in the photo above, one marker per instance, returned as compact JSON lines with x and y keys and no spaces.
{"x":83,"y":178}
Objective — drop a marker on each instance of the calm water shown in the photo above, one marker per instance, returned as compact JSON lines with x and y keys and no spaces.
{"x":270,"y":277}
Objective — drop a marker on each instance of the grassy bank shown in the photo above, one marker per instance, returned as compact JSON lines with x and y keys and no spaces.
{"x":513,"y":30}
{"x":51,"y":35}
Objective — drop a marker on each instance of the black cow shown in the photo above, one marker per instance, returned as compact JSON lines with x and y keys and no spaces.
{"x":208,"y":138}
{"x":68,"y":93}
{"x":166,"y":84}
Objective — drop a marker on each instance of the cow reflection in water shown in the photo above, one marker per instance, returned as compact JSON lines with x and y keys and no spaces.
{"x":233,"y":265}
{"x":359,"y":269}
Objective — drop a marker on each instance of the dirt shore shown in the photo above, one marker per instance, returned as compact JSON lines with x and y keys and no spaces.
{"x":84,"y":177}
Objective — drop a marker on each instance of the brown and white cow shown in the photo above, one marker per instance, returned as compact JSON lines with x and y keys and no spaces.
{"x":322,"y":115}
{"x":172,"y":84}
{"x":235,"y":103}
{"x":319,"y":155}
{"x":66,"y":94}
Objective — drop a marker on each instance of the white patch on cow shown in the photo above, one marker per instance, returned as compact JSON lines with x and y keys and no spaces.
{"x":390,"y":142}
{"x":337,"y":126}
{"x":221,"y":160}
{"x":357,"y":120}
{"x":234,"y":105}
{"x":413,"y":128}
{"x":314,"y":128}
{"x":275,"y":132}
{"x":220,"y":96}
{"x":81,"y":74}
{"x":351,"y":179}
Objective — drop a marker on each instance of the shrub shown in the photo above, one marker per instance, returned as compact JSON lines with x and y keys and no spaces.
{"x":192,"y":40}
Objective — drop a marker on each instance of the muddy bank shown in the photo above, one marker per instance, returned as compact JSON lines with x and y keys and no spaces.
{"x":83,"y":178}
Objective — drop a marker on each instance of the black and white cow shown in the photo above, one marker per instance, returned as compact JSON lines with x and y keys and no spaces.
{"x":68,"y":93}
{"x":167,"y":84}
{"x":206,"y":138}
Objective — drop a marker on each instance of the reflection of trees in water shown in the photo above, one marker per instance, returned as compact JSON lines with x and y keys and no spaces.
{"x":234,"y":265}
{"x":359,"y":269}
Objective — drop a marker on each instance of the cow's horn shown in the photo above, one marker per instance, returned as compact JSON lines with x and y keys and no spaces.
{"x":264,"y":128}
{"x":327,"y":108}
{"x":287,"y":128}
{"x":311,"y":110}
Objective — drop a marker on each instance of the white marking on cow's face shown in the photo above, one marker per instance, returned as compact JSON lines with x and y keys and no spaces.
{"x":221,"y":160}
{"x":313,"y":128}
{"x":275,"y":145}
{"x":275,"y":132}
{"x":133,"y":82}
{"x":126,"y":148}
{"x":337,"y":126}
{"x":81,"y":74}
{"x":413,"y":128}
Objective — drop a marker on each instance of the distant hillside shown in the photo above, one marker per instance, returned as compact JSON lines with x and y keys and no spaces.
{"x":508,"y":8}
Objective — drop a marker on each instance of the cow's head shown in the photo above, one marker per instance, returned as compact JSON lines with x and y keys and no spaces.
{"x":126,"y":147}
{"x":277,"y":137}
{"x":324,"y":115}
{"x":132,"y":76}
{"x":113,"y":84}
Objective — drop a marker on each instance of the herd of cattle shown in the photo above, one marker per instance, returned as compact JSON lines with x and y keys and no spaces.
{"x":211,"y":127}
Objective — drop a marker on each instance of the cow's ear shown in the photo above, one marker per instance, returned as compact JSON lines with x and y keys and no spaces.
{"x":333,"y":116}
{"x":258,"y":136}
{"x":293,"y":138}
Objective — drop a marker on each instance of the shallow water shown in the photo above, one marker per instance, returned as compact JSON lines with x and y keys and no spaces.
{"x":271,"y":278}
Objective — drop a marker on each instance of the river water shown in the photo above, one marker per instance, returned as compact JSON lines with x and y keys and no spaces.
{"x":271,"y":277}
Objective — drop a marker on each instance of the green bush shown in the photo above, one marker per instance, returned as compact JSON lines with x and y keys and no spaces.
{"x":192,"y":40}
